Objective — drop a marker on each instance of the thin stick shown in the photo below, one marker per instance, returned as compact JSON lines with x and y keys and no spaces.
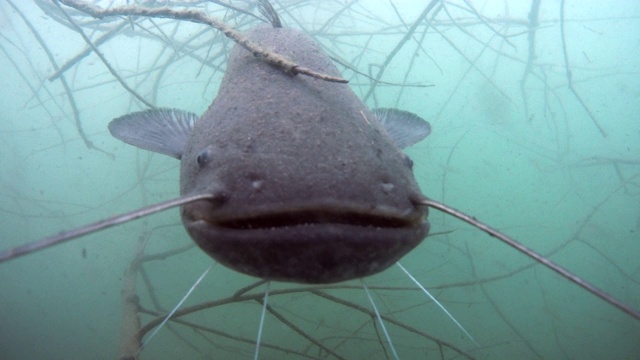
{"x":391,"y":320}
{"x":104,"y":60}
{"x":65,"y":84}
{"x":35,"y":92}
{"x":302,"y":333}
{"x":570,"y":75}
{"x":532,"y":27}
{"x":501,"y":314}
{"x":399,"y":46}
{"x":316,"y":290}
{"x":197,"y":327}
{"x":130,"y":340}
{"x":66,"y":66}
{"x":402,"y":85}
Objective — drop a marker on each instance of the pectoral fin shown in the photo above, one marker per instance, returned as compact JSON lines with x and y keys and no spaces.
{"x":165,"y":131}
{"x":404,"y":128}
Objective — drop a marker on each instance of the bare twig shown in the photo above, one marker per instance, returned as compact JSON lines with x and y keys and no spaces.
{"x":570,"y":75}
{"x":87,"y":51}
{"x":130,"y":341}
{"x":65,"y":84}
{"x":501,"y":313}
{"x":402,"y":85}
{"x":532,"y":27}
{"x":391,"y":320}
{"x":299,"y":331}
{"x":228,"y":335}
{"x":104,"y":60}
{"x":399,"y":46}
{"x":199,"y":17}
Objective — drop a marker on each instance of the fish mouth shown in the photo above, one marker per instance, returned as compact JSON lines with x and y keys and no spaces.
{"x":307,"y":217}
{"x":324,"y":243}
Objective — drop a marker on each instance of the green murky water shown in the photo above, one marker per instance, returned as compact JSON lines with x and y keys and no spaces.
{"x":511,"y":144}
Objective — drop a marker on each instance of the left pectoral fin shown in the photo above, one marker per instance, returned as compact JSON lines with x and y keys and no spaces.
{"x":165,"y":131}
{"x":404,"y":128}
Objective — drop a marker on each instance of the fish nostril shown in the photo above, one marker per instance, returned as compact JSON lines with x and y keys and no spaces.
{"x":256,"y":181}
{"x":387,"y":183}
{"x":387,"y":186}
{"x":257,"y":184}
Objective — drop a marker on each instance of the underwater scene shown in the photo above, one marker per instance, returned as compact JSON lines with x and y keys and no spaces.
{"x":534,"y":108}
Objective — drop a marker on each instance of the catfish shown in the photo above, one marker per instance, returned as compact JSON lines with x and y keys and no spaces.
{"x":308,"y":185}
{"x":292,"y":178}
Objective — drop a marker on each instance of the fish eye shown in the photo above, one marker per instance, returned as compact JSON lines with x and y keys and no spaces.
{"x":407,"y":161}
{"x":204,"y":157}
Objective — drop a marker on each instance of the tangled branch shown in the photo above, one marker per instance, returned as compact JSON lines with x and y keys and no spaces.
{"x":199,"y":17}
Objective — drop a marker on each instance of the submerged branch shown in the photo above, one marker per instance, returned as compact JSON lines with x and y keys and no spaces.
{"x":570,"y":75}
{"x":104,"y":60}
{"x":199,"y":17}
{"x":69,"y":64}
{"x":65,"y":84}
{"x":532,"y":27}
{"x":399,"y":46}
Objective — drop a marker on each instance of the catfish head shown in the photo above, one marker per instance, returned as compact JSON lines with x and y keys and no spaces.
{"x":308,"y":185}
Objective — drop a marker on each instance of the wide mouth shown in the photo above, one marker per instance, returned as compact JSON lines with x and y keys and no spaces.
{"x":312,"y":217}
{"x":305,"y":244}
{"x":303,"y":215}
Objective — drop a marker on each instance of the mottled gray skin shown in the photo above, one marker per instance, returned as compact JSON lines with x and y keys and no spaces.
{"x":309,"y":186}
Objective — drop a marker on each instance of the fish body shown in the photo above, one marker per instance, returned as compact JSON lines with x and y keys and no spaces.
{"x":309,"y":186}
